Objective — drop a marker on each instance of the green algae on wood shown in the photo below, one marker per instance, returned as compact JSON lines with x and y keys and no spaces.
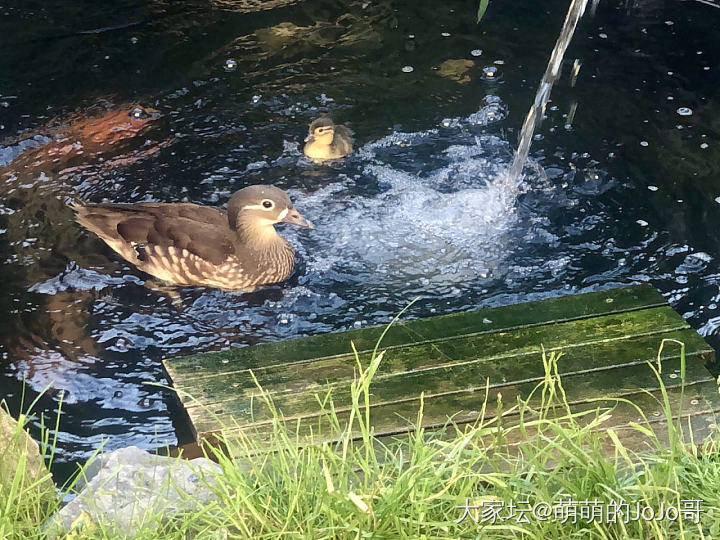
{"x":456,"y":361}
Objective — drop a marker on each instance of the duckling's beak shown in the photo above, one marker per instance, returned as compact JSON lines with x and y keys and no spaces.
{"x":309,"y":138}
{"x":294,"y":217}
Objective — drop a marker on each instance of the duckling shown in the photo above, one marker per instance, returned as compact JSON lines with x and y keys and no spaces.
{"x":326,"y":140}
{"x":191,"y":244}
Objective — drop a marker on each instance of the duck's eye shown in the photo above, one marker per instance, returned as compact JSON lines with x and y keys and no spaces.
{"x":267,"y":203}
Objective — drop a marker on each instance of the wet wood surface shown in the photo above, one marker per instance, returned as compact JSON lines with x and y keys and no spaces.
{"x":460,"y":363}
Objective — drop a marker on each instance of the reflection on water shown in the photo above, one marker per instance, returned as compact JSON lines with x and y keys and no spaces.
{"x":422,"y":208}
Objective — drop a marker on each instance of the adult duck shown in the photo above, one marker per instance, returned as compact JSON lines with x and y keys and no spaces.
{"x":191,"y":244}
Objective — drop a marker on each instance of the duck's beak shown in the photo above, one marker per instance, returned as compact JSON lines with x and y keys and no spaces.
{"x":294,"y":217}
{"x":309,"y":138}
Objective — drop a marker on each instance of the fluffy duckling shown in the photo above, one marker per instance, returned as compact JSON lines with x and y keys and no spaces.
{"x":326,"y":140}
{"x":191,"y":244}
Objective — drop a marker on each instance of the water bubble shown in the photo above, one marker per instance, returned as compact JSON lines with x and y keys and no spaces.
{"x":411,"y":36}
{"x":642,"y":222}
{"x":230,"y":65}
{"x":603,"y":35}
{"x":499,"y":62}
{"x":408,"y":69}
{"x":138,"y":114}
{"x":255,"y":99}
{"x":670,"y":98}
{"x":669,"y":23}
{"x":704,"y":145}
{"x":445,"y":34}
{"x":706,"y":68}
{"x":489,"y":72}
{"x":644,"y":143}
{"x":717,"y":200}
{"x":133,"y":40}
{"x":653,"y":188}
{"x":476,"y":52}
{"x":117,"y":394}
{"x":684,"y":111}
{"x":144,"y":402}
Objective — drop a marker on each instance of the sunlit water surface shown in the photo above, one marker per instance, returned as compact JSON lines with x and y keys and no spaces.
{"x":622,"y":193}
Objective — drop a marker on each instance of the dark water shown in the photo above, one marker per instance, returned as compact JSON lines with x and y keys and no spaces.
{"x":625,"y":193}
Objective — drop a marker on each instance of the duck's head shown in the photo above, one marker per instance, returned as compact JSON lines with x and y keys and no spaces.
{"x":260,"y":207}
{"x":322,"y":130}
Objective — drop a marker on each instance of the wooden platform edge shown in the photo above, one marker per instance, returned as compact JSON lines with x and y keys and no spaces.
{"x":486,"y":320}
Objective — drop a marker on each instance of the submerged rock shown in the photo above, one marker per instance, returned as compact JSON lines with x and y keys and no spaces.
{"x":456,"y":69}
{"x":129,"y":487}
{"x":22,"y":464}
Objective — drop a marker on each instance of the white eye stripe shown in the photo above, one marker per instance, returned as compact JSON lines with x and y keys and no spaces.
{"x":282,"y":214}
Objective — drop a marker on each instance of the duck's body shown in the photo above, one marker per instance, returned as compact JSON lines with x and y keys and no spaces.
{"x":190,"y":244}
{"x":327,"y":140}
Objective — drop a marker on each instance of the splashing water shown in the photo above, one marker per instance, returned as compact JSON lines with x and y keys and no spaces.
{"x":394,"y":224}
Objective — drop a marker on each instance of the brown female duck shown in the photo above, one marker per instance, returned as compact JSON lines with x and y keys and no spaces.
{"x":326,"y":140}
{"x":190,"y":244}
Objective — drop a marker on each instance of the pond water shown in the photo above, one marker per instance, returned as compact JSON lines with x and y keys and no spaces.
{"x":621,"y":187}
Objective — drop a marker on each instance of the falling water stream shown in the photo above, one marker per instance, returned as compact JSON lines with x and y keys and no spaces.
{"x":542,"y":96}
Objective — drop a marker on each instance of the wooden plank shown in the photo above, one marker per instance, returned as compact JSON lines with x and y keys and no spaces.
{"x":462,"y":404}
{"x":584,"y":360}
{"x":698,"y":413}
{"x":488,"y":351}
{"x":699,"y":407}
{"x":558,"y":309}
{"x":458,"y":362}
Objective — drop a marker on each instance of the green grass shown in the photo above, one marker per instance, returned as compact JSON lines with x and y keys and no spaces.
{"x":482,"y":8}
{"x":416,"y":486}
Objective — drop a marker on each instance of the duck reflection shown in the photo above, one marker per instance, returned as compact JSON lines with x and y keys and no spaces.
{"x":49,"y":340}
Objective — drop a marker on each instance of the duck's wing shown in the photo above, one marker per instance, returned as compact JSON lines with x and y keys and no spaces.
{"x":140,"y":231}
{"x":345,"y":132}
{"x":343,"y":140}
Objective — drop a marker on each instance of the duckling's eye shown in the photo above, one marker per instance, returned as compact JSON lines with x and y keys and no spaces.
{"x":267,"y":203}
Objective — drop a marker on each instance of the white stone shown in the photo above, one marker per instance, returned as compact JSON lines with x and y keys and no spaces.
{"x":130,"y":486}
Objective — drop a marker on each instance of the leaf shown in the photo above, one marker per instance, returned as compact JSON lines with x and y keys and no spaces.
{"x":482,"y":8}
{"x":357,"y":501}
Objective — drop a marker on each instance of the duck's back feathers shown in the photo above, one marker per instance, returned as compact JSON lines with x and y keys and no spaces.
{"x":343,"y":140}
{"x":135,"y":230}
